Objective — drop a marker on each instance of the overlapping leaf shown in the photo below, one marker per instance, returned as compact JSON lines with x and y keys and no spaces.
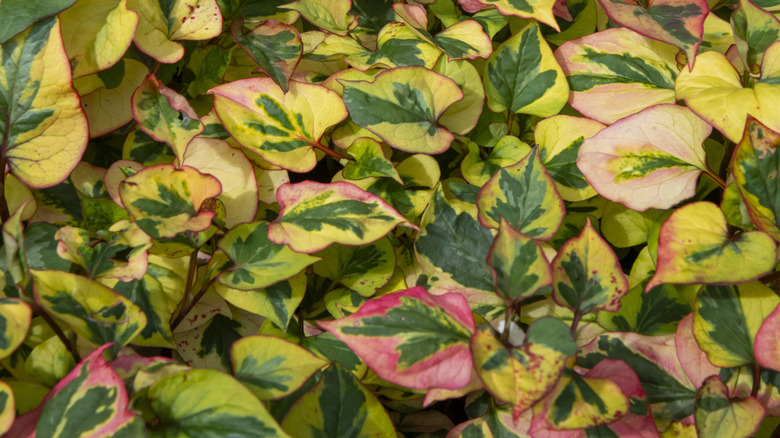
{"x":18,"y":15}
{"x":165,"y":201}
{"x":695,"y":247}
{"x":677,"y":22}
{"x":648,"y":160}
{"x":99,"y":258}
{"x":521,"y":375}
{"x":519,"y":266}
{"x":403,"y":106}
{"x":330,"y":15}
{"x":97,"y":313}
{"x":314,"y":215}
{"x":208,"y":402}
{"x":364,"y":269}
{"x":7,"y":407}
{"x":338,"y":405}
{"x":272,"y":367}
{"x":90,"y":401}
{"x":462,"y":116}
{"x":717,"y":415}
{"x":275,"y":47}
{"x":540,"y":10}
{"x":728,"y":318}
{"x":412,"y":338}
{"x":370,"y":161}
{"x":756,"y":162}
{"x":283,"y":128}
{"x":257,"y":261}
{"x":478,"y":170}
{"x":462,"y":40}
{"x":15,"y":318}
{"x":276,"y":302}
{"x":43,"y":130}
{"x":524,"y":195}
{"x":755,"y":29}
{"x":587,"y":274}
{"x":767,"y":342}
{"x":522,"y":76}
{"x":617,"y":72}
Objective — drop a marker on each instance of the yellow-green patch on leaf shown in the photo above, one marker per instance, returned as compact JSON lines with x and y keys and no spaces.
{"x":540,"y":10}
{"x":651,"y":159}
{"x":330,"y":15}
{"x":96,"y":34}
{"x":755,"y":29}
{"x":462,"y":116}
{"x":519,"y":266}
{"x":272,"y":367}
{"x":728,"y":318}
{"x":165,"y":201}
{"x":95,"y":312}
{"x":478,"y":170}
{"x":718,"y":415}
{"x":559,"y":138}
{"x":521,"y":375}
{"x":403,"y":106}
{"x":364,"y":269}
{"x":47,"y":133}
{"x":275,"y":47}
{"x":695,"y":247}
{"x":280,"y":127}
{"x":16,"y":316}
{"x":165,"y":115}
{"x":257,"y":261}
{"x":314,"y":215}
{"x":412,"y":338}
{"x":276,"y":302}
{"x":525,"y":196}
{"x":522,"y":76}
{"x":587,"y":274}
{"x":370,"y":161}
{"x":7,"y":407}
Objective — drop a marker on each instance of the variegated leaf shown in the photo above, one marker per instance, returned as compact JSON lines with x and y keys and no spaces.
{"x":158,"y":306}
{"x":728,"y":318}
{"x":403,"y":106}
{"x":96,"y":34}
{"x":521,"y":375}
{"x":717,"y":415}
{"x":370,"y":161}
{"x":272,"y":367}
{"x":525,"y":196}
{"x":97,"y":313}
{"x":755,"y":166}
{"x":617,"y":72}
{"x":411,"y":338}
{"x":43,"y":131}
{"x":165,"y":115}
{"x":478,"y":171}
{"x":519,"y":266}
{"x":90,"y":401}
{"x":330,"y":15}
{"x":165,"y":201}
{"x":338,"y":405}
{"x":15,"y":318}
{"x":257,"y":261}
{"x":275,"y":47}
{"x":587,"y":274}
{"x":676,"y":22}
{"x":522,"y":76}
{"x":540,"y":10}
{"x":160,"y":24}
{"x":755,"y":29}
{"x":767,"y":342}
{"x":695,"y":247}
{"x":282,"y":128}
{"x":314,"y":215}
{"x":462,"y":116}
{"x":7,"y":407}
{"x":462,"y":40}
{"x":18,"y":15}
{"x":364,"y":269}
{"x":651,"y":159}
{"x":208,"y":402}
{"x":99,"y":257}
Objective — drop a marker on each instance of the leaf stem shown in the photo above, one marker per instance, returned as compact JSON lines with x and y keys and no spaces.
{"x":508,"y":314}
{"x":716,"y":178}
{"x":328,"y":150}
{"x":191,"y":268}
{"x":756,"y":379}
{"x":4,"y":213}
{"x":770,"y":278}
{"x":192,"y":304}
{"x":574,"y":323}
{"x":58,"y":331}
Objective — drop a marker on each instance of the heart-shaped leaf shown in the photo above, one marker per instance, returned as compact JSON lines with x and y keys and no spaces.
{"x":166,"y":201}
{"x":755,"y":165}
{"x":519,"y":266}
{"x":314,"y":215}
{"x":257,"y":261}
{"x":282,"y":128}
{"x":694,"y":247}
{"x":272,"y":367}
{"x":617,"y":72}
{"x":728,"y":318}
{"x":587,"y":274}
{"x":462,"y":40}
{"x":717,"y":415}
{"x":524,"y":195}
{"x":15,"y":318}
{"x":677,"y":22}
{"x":523,"y":374}
{"x":411,"y":338}
{"x":275,"y":47}
{"x":338,"y":405}
{"x":403,"y":106}
{"x":648,"y":160}
{"x":44,"y":131}
{"x":201,"y":402}
{"x":522,"y":76}
{"x":478,"y":170}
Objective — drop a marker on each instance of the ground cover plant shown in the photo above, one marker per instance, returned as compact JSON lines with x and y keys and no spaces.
{"x":354,"y":218}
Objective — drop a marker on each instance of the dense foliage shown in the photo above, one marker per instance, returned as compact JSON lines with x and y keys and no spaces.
{"x":342,"y":218}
